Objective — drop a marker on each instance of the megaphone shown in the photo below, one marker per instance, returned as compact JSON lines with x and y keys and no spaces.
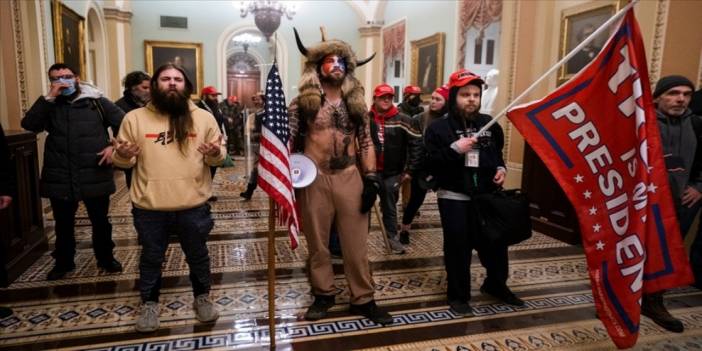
{"x":303,"y":171}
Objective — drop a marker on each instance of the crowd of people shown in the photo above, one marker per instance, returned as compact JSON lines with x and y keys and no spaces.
{"x":170,"y":147}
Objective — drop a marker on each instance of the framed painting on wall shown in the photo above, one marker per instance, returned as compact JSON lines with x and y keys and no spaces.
{"x":577,"y":23}
{"x":68,"y":29}
{"x":428,"y":63}
{"x":187,"y":55}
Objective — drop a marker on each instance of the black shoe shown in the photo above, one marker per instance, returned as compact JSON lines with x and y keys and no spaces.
{"x":652,"y":307}
{"x":371,"y":311}
{"x":503,"y":294}
{"x":460,"y":308}
{"x":111,"y":266}
{"x":319,"y":308}
{"x":404,"y":237}
{"x":5,"y":312}
{"x":212,"y":198}
{"x":60,"y":271}
{"x":245,"y":195}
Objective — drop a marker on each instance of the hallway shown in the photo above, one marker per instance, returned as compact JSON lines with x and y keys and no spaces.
{"x":96,"y":311}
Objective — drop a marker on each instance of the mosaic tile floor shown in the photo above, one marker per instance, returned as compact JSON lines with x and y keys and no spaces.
{"x":92,"y":310}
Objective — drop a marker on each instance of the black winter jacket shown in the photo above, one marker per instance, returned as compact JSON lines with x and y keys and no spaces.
{"x":401,"y":145}
{"x":448,"y":166}
{"x":409,"y":110}
{"x":77,"y":132}
{"x":7,"y":172}
{"x":127,"y":102}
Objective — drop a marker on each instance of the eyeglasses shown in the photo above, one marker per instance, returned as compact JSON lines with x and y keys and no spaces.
{"x":65,"y":76}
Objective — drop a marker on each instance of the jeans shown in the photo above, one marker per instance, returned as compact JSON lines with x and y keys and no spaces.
{"x":152,"y":227}
{"x":459,"y":223}
{"x":389,"y":194}
{"x":65,"y":217}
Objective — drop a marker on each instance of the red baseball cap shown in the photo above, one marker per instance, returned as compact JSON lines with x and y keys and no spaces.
{"x":463,"y":77}
{"x":209,"y":90}
{"x":411,"y":89}
{"x":443,"y":91}
{"x":383,"y":89}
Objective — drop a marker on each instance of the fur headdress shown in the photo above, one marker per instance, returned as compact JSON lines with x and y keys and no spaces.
{"x":310,"y":88}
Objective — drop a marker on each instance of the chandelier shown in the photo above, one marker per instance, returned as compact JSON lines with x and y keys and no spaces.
{"x":245,"y":40}
{"x":267,"y":14}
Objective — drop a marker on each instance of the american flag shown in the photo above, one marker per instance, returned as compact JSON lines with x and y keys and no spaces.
{"x":274,"y":160}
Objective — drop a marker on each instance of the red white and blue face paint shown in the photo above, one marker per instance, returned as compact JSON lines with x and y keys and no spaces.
{"x":332,"y":63}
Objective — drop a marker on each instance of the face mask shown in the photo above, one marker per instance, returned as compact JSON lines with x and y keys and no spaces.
{"x":68,"y":91}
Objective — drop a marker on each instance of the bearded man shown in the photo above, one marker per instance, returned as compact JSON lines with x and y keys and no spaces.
{"x":329,"y":123}
{"x":171,"y":143}
{"x":466,"y":164}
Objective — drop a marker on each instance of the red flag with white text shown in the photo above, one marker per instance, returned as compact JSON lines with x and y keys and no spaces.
{"x":598,"y":135}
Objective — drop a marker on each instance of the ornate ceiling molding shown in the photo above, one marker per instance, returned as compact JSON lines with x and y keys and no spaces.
{"x":658,"y":40}
{"x":370,"y":31}
{"x":113,"y":13}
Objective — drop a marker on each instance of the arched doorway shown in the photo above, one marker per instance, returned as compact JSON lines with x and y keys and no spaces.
{"x":96,"y":66}
{"x":243,"y":77}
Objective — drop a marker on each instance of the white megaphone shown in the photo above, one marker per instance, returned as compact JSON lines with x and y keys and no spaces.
{"x":303,"y":171}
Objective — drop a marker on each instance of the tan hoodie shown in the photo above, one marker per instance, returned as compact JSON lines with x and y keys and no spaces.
{"x":165,"y":179}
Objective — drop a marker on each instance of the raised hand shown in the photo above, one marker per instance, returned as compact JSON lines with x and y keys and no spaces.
{"x":212,"y":148}
{"x":106,"y":154}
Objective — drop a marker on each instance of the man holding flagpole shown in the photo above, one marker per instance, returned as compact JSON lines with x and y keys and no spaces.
{"x":598,"y":135}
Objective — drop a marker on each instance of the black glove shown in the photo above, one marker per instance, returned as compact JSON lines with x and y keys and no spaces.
{"x":371,"y":188}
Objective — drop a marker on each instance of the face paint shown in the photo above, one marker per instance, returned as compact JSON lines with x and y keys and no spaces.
{"x":332,"y":63}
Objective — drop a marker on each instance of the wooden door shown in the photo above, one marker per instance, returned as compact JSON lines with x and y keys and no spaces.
{"x":244,"y":86}
{"x":551,"y":212}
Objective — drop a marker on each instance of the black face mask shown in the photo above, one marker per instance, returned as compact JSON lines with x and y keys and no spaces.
{"x":414,"y":100}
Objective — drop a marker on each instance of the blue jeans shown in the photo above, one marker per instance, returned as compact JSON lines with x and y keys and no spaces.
{"x":686,"y":216}
{"x":194,"y":226}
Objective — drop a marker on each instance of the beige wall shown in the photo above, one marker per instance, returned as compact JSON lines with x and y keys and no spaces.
{"x":530,"y":47}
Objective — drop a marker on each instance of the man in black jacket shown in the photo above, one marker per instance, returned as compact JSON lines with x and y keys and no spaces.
{"x":411,"y":101}
{"x":399,"y":156}
{"x":682,"y":149}
{"x":7,"y":190}
{"x":466,"y":164}
{"x":137,"y":93}
{"x":77,"y":163}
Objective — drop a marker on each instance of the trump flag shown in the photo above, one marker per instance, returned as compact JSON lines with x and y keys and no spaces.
{"x":598,"y":136}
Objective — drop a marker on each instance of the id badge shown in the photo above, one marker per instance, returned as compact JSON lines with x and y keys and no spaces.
{"x":472,"y":158}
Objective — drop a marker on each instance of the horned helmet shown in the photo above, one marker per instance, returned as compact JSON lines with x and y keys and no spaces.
{"x":310,"y":87}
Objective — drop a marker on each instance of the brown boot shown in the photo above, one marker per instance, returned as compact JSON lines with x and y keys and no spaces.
{"x":652,"y":307}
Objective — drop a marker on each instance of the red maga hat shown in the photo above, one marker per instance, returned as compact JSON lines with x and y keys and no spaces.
{"x":383,"y":89}
{"x":209,"y":90}
{"x":463,"y":77}
{"x":411,"y":89}
{"x":443,"y":91}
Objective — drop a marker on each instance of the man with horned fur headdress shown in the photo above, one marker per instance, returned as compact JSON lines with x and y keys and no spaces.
{"x":330,"y":125}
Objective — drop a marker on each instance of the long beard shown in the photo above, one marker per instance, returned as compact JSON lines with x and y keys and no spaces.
{"x":172,"y":103}
{"x":176,"y":106}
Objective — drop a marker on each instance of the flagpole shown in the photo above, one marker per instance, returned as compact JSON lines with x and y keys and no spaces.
{"x":271,"y":271}
{"x":572,"y":53}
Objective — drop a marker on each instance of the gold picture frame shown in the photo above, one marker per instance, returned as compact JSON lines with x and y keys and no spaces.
{"x":576,"y":23}
{"x":187,"y":55}
{"x":428,"y":63}
{"x":69,"y":31}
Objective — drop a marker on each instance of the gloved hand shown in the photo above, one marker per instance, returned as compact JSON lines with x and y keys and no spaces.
{"x":371,"y":188}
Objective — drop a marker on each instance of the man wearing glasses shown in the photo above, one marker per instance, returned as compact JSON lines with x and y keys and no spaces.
{"x":77,"y":163}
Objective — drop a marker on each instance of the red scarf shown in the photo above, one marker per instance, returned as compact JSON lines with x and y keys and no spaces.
{"x":379,"y":119}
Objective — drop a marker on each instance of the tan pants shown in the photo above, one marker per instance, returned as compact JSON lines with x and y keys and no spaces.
{"x":337,"y":199}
